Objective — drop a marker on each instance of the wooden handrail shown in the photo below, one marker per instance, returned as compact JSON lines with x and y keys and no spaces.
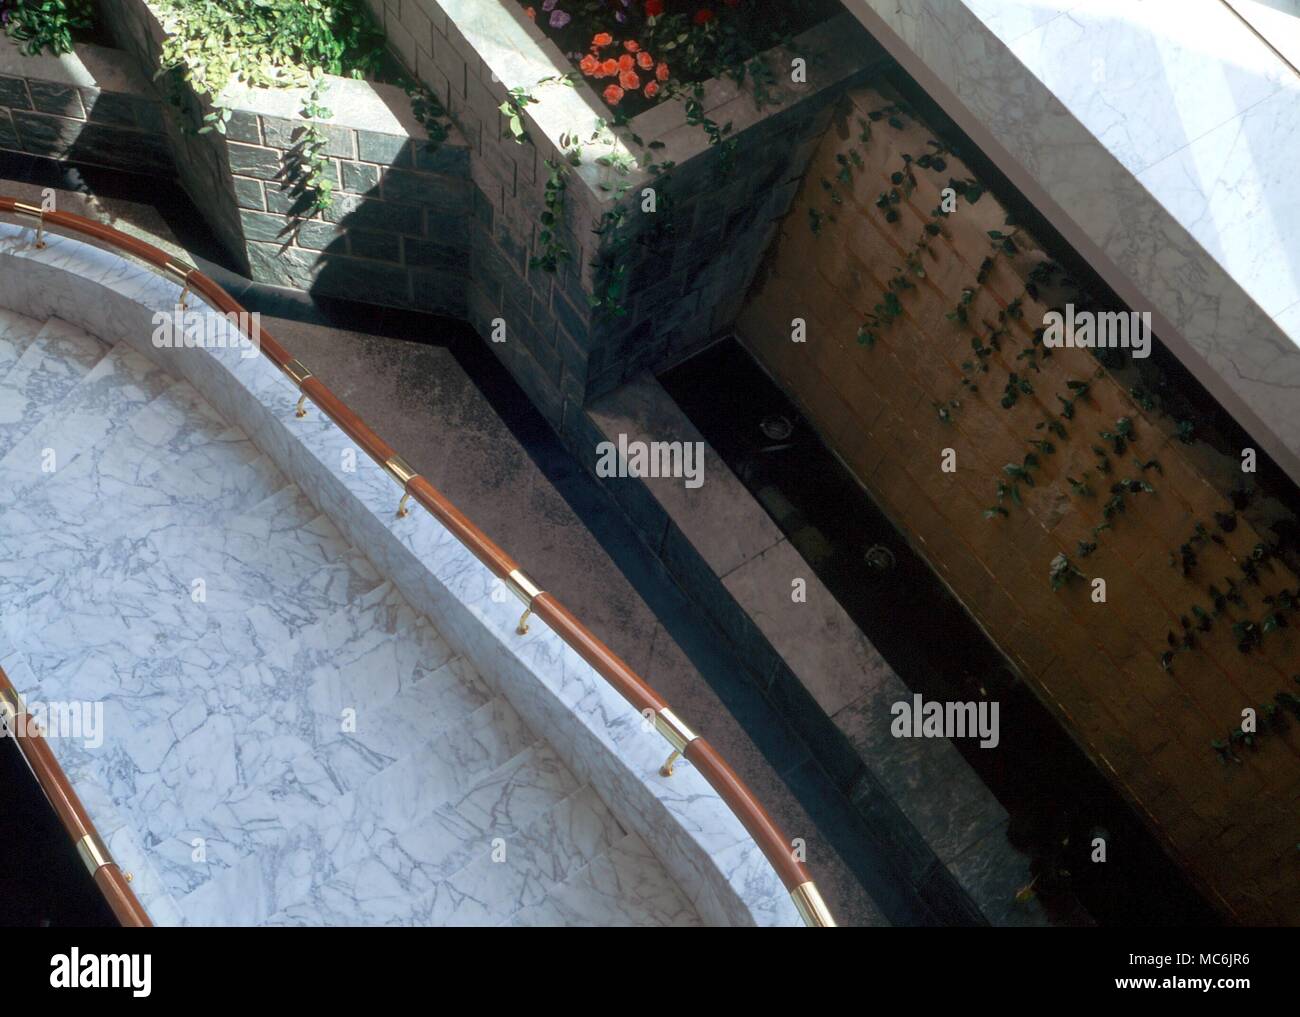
{"x":67,"y":806}
{"x":631,"y":686}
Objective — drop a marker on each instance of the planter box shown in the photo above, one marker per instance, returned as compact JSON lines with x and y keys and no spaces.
{"x":453,"y":228}
{"x":90,"y":106}
{"x":682,"y":290}
{"x":396,"y":232}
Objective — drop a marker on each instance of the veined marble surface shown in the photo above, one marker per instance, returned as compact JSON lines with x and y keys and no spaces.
{"x":1160,"y":137}
{"x":224,"y":714}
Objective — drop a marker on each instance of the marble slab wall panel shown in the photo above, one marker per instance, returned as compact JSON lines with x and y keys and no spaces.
{"x":603,"y":739}
{"x":1159,"y":137}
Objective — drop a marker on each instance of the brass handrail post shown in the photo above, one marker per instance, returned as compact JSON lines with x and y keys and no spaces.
{"x":527,"y":591}
{"x":299,"y":375}
{"x":400,"y":470}
{"x":676,"y":733}
{"x":27,"y":211}
{"x":182,"y":274}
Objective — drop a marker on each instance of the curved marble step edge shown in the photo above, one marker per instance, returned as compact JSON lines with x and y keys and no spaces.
{"x":683,"y":820}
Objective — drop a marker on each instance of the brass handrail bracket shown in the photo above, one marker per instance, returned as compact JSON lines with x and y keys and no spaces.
{"x":677,"y":734}
{"x":400,"y":470}
{"x":298,"y":374}
{"x":527,"y":591}
{"x":33,"y":212}
{"x":181,"y":273}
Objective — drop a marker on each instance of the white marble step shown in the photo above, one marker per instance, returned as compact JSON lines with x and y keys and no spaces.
{"x":87,"y":417}
{"x":286,"y":509}
{"x":379,"y":736}
{"x":503,"y":804}
{"x":318,"y":840}
{"x":360,"y":658}
{"x":269,"y":588}
{"x":200,"y":748}
{"x":131,"y":622}
{"x":59,"y":357}
{"x":96,"y":527}
{"x":393,"y":882}
{"x":515,"y":872}
{"x":109,"y":491}
{"x":17,"y":332}
{"x":626,"y":885}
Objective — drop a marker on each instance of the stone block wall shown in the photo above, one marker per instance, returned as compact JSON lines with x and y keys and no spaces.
{"x":683,"y":290}
{"x":396,"y":232}
{"x":91,"y":106}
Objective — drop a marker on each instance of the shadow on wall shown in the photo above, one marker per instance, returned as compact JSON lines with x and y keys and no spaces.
{"x":391,"y":224}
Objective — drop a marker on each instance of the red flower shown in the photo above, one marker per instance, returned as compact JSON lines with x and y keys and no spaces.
{"x":531,"y":13}
{"x":631,"y":45}
{"x":653,"y":8}
{"x":601,"y":39}
{"x":608,"y":69}
{"x":651,"y":89}
{"x":613,"y":94}
{"x":629,"y":80}
{"x":661,"y":72}
{"x":589,"y":65}
{"x":625,"y":62}
{"x":703,"y":16}
{"x":644,"y":60}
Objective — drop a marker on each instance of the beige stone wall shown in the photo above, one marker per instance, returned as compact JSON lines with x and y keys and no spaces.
{"x":1096,"y":665}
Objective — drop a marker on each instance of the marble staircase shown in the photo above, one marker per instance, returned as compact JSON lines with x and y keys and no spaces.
{"x":285,"y":740}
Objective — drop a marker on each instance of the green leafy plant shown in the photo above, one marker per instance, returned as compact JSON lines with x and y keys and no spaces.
{"x":310,"y":166}
{"x":552,"y":252}
{"x":47,"y":24}
{"x":1062,"y":570}
{"x":512,"y":109}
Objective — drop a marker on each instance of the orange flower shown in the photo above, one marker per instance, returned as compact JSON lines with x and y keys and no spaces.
{"x":644,"y":60}
{"x":589,"y":65}
{"x":532,"y":14}
{"x":629,"y":80}
{"x":661,"y":72}
{"x":613,"y":94}
{"x":631,"y":45}
{"x":601,"y":39}
{"x":651,"y":89}
{"x":625,"y":62}
{"x":608,"y":69}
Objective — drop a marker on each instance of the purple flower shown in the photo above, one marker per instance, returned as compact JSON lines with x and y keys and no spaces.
{"x":549,"y":5}
{"x":559,"y":19}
